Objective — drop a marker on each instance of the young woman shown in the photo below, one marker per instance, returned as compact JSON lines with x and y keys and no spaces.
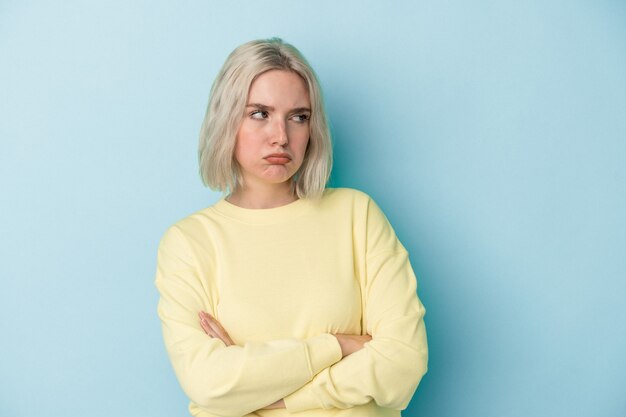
{"x":285,"y":296}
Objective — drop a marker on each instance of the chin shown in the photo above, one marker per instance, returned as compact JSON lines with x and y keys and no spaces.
{"x":277,"y":179}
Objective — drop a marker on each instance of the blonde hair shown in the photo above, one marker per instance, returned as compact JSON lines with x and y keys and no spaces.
{"x":229,"y":94}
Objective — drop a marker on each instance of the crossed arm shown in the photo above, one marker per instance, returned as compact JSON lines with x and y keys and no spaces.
{"x":213,"y":328}
{"x":320,"y":372}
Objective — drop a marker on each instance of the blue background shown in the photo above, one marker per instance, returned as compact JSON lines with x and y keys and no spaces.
{"x":492,"y":134}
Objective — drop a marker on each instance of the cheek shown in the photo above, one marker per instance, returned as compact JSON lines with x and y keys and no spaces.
{"x":245,"y":135}
{"x":299,"y":138}
{"x":303,"y":144}
{"x":244,"y":152}
{"x":245,"y":142}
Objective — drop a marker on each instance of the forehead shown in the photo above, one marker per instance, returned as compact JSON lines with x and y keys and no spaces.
{"x":279,"y":88}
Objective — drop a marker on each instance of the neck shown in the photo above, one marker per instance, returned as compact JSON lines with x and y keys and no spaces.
{"x":263,"y":196}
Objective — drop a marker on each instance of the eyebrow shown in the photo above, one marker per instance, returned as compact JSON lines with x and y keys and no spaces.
{"x":270,"y":108}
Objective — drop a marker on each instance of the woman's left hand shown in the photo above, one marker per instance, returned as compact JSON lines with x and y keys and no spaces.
{"x":213,"y":328}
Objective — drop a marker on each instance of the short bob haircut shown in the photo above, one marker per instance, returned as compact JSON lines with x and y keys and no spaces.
{"x":229,"y":94}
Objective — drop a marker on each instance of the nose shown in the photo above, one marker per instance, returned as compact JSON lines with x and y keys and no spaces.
{"x":279,"y":133}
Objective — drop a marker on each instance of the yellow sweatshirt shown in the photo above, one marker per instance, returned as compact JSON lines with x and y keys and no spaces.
{"x":281,"y":281}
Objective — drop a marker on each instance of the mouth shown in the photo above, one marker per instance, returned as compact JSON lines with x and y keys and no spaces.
{"x":278,"y":158}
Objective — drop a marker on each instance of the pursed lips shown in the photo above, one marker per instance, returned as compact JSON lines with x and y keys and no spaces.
{"x":278,"y":158}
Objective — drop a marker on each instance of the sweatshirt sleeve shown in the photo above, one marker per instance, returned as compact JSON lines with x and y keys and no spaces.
{"x":389,"y":367}
{"x":233,"y":380}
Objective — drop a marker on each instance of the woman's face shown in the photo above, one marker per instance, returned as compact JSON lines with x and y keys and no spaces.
{"x":274,"y":133}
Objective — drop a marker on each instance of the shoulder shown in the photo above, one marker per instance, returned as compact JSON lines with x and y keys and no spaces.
{"x":358,"y":201}
{"x":191,"y":228}
{"x":366,"y":216}
{"x":355,"y":204}
{"x":361,"y":203}
{"x":346,"y":195}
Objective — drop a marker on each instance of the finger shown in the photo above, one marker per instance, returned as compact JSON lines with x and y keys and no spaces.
{"x":202,"y":320}
{"x":205,"y":322}
{"x":214,"y":330}
{"x":222,"y":332}
{"x":205,"y":326}
{"x":219,"y":329}
{"x":207,"y":329}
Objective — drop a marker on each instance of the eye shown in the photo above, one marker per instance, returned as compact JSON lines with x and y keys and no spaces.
{"x":301,"y":118}
{"x":259,"y":115}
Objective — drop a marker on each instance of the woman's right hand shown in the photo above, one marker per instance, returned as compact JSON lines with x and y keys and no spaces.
{"x":350,"y":343}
